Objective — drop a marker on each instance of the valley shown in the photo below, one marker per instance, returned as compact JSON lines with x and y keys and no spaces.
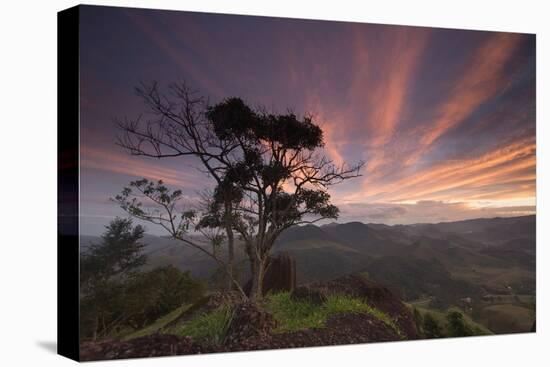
{"x":484,"y":267}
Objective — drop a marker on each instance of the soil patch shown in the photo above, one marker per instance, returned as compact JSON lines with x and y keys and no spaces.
{"x":155,"y":345}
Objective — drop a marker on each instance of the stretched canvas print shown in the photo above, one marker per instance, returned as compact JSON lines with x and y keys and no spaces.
{"x":236,"y":183}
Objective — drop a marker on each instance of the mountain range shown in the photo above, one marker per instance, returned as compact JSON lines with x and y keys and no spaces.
{"x":446,"y":261}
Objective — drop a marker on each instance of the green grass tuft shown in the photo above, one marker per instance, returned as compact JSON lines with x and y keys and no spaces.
{"x":293,"y":315}
{"x":209,"y":328}
{"x":299,"y":315}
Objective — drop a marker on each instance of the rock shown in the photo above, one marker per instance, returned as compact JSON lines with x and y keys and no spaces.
{"x":347,"y":328}
{"x":315,"y":295}
{"x":249,"y":322}
{"x":280,"y":275}
{"x":376,"y":296}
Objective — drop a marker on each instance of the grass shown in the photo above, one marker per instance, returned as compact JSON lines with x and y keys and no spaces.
{"x":294,"y":315}
{"x":209,"y":328}
{"x":424,"y":303}
{"x":525,"y":299}
{"x":157,"y":325}
{"x":508,"y":318}
{"x":494,"y":277}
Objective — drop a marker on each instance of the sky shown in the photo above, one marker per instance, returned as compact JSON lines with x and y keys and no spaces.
{"x":444,"y":119}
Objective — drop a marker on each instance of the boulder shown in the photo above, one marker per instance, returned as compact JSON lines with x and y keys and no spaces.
{"x":376,"y":296}
{"x":249,"y":322}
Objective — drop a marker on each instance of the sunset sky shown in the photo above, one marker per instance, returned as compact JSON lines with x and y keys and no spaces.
{"x":444,"y":119}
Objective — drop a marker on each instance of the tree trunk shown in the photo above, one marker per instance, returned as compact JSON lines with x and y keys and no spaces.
{"x":254,"y":269}
{"x":96,"y":326}
{"x":230,"y":259}
{"x":230,"y":246}
{"x":258,"y":271}
{"x":261,"y":273}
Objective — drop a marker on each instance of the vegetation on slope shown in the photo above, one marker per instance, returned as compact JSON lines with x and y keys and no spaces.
{"x":450,"y":323}
{"x":208,"y":328}
{"x":157,"y":325}
{"x":211,"y":327}
{"x":292,"y":315}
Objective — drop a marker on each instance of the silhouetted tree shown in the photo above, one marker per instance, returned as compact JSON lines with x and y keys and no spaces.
{"x":103,"y":268}
{"x":268,"y":171}
{"x":162,"y":209}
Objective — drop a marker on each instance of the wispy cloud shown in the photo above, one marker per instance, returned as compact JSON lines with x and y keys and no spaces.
{"x":483,"y":78}
{"x":120,"y":163}
{"x":444,"y":119}
{"x":459,"y":180}
{"x":175,"y":49}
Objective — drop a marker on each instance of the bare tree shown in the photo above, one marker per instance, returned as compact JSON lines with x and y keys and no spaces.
{"x":155,"y":203}
{"x":177,"y":127}
{"x":269,"y":171}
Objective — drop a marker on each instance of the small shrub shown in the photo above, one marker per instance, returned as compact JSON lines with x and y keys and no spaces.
{"x":431,"y":327}
{"x":209,"y":328}
{"x":457,"y":326}
{"x":418,"y":320}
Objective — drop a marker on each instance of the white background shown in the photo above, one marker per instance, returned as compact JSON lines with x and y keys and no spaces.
{"x":28,"y":183}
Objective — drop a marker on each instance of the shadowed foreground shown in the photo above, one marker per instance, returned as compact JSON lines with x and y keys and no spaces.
{"x":376,"y":315}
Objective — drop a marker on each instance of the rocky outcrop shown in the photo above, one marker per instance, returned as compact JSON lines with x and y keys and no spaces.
{"x":346,"y":328}
{"x":376,"y":296}
{"x":249,"y":322}
{"x":251,"y":327}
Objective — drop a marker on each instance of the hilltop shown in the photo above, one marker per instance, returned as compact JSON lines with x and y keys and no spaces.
{"x":346,"y":310}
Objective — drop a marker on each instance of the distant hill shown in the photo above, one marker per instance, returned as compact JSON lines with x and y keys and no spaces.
{"x":166,"y":251}
{"x":414,"y":278}
{"x":448,"y":261}
{"x":451,"y":259}
{"x":366,"y":239}
{"x":519,"y":251}
{"x":485,"y":231}
{"x":485,"y":267}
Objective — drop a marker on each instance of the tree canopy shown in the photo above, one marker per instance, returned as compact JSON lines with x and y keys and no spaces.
{"x":269,"y":170}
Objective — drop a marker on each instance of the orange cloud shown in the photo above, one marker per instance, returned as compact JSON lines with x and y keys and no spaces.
{"x":513,"y":163}
{"x":331,"y":144}
{"x":332,"y":136}
{"x":388,"y":99}
{"x":483,"y":78}
{"x":379,"y":89}
{"x":458,"y":179}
